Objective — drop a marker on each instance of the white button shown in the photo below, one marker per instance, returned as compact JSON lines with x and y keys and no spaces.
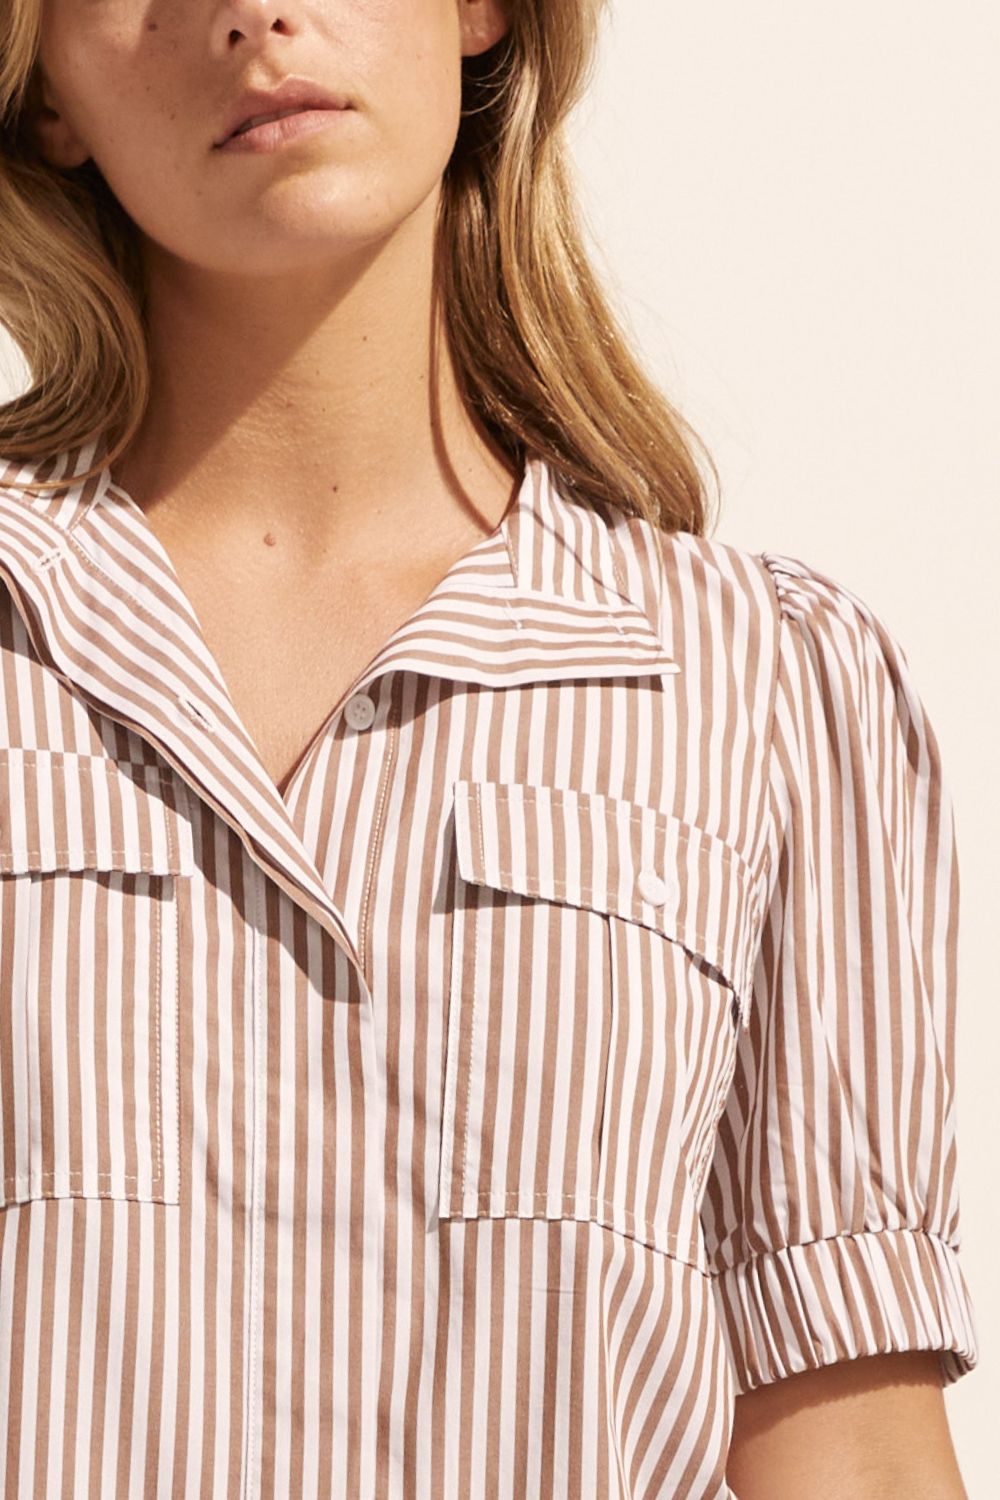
{"x":652,"y":888}
{"x":359,"y":711}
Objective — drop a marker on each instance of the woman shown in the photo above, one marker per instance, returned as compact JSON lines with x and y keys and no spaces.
{"x":478,"y":956}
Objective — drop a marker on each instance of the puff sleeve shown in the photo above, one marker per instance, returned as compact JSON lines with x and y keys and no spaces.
{"x":830,"y":1210}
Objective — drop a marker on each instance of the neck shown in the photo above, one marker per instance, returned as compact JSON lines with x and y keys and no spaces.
{"x":314,"y":409}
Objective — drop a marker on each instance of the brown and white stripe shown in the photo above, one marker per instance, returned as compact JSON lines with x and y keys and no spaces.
{"x":568,"y":1050}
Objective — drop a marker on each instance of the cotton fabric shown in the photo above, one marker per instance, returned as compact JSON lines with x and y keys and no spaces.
{"x":570,"y":1049}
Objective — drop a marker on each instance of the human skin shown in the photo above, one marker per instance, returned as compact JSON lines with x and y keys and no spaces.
{"x":300,"y":384}
{"x":872,"y":1428}
{"x":300,"y":389}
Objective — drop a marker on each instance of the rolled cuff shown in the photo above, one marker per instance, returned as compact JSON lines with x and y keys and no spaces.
{"x":806,"y":1306}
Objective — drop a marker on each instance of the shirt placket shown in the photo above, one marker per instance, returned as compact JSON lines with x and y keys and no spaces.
{"x":358,"y":743}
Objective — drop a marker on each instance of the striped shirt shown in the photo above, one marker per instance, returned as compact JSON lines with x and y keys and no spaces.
{"x":569,"y":1049}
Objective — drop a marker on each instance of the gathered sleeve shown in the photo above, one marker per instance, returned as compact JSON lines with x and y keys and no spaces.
{"x":831,"y":1210}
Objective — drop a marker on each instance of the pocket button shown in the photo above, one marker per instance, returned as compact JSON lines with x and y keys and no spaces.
{"x":653,"y":888}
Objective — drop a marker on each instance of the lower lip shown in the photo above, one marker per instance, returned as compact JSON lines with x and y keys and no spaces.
{"x":274,"y":133}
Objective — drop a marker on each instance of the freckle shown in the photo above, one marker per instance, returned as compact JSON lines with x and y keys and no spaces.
{"x":270,"y":538}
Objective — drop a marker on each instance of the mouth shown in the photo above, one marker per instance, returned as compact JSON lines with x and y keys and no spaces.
{"x":258,"y":107}
{"x":265,"y":119}
{"x":273,"y":133}
{"x":261,"y":120}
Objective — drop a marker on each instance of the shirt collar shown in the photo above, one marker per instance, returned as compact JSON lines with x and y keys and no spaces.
{"x":541,"y":599}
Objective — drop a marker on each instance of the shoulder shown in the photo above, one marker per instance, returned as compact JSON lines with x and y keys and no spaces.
{"x":838,"y":646}
{"x":687,"y":572}
{"x":801,"y":627}
{"x":801,"y":601}
{"x":787,"y":588}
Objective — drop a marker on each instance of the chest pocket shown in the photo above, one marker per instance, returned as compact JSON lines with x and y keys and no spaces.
{"x":90,"y":853}
{"x":601,"y":972}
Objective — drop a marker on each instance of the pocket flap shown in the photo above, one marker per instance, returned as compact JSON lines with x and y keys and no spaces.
{"x":63,"y":810}
{"x":615,"y":856}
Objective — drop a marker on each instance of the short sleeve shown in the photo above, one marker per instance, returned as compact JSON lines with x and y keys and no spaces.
{"x":830,"y":1210}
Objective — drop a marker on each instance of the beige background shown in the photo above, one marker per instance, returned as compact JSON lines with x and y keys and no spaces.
{"x":796,"y":210}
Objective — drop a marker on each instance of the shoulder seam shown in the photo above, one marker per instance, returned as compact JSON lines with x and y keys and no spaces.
{"x":777,"y":569}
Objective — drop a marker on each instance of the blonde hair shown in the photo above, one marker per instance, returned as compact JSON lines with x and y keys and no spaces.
{"x":540,"y":356}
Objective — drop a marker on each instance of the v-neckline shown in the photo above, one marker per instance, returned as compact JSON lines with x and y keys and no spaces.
{"x":110,"y":492}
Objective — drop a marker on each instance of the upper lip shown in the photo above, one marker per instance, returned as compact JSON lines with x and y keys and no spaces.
{"x":292,"y":93}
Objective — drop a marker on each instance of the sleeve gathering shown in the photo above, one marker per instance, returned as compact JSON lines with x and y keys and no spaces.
{"x":830,"y":1210}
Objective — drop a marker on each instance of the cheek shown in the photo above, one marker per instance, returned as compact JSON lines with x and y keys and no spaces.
{"x":419,"y":137}
{"x":120,"y":94}
{"x":112,"y":88}
{"x":147,"y":162}
{"x":90,"y":50}
{"x":409,"y":65}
